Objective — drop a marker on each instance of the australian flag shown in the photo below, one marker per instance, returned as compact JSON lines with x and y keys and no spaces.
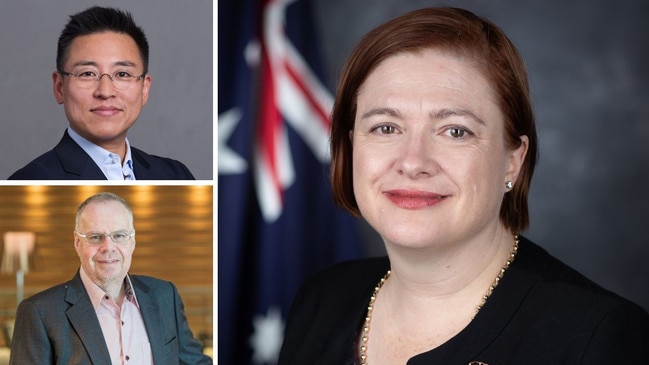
{"x":277,"y":223}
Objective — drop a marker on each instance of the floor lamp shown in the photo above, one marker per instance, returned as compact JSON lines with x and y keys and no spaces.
{"x":18,"y":247}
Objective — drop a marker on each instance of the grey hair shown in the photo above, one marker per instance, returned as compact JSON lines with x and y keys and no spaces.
{"x":102,"y":198}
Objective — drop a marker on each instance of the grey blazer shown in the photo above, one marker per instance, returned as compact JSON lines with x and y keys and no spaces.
{"x":59,"y":326}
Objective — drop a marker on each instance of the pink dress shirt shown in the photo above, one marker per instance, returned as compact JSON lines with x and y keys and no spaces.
{"x":122,"y":326}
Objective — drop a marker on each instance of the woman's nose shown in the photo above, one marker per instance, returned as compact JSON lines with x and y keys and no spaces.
{"x":417,"y":158}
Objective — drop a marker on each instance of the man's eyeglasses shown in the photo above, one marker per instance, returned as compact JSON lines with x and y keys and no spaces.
{"x":97,"y":238}
{"x":86,"y":79}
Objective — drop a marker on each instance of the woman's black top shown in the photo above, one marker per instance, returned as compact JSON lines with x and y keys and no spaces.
{"x":542,"y":312}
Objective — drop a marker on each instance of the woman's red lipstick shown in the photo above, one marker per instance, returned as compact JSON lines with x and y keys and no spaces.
{"x":413,"y":199}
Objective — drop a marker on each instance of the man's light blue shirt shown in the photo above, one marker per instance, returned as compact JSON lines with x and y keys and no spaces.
{"x":109,"y":163}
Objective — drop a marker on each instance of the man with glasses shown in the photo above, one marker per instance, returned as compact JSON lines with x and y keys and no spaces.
{"x":104,"y":315}
{"x":102,"y":82}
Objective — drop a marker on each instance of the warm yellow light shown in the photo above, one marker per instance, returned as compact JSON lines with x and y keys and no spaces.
{"x":199,"y":195}
{"x":85,"y":191}
{"x":36,"y":195}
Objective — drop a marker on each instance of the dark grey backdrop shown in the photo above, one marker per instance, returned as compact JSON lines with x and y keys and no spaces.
{"x":177,"y":120}
{"x":587,"y":63}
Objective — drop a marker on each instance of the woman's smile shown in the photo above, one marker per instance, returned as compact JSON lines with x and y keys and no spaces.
{"x":414,"y":199}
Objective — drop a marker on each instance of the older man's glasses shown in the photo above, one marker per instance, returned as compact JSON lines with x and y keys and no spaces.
{"x":97,"y":238}
{"x":121,"y":80}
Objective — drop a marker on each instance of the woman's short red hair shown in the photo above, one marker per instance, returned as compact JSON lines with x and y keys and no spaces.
{"x":459,"y":32}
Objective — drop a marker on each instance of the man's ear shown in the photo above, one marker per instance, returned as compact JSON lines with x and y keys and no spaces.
{"x":57,"y":84}
{"x":146,"y":87}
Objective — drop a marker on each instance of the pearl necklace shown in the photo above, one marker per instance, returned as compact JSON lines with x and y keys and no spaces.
{"x":368,"y":317}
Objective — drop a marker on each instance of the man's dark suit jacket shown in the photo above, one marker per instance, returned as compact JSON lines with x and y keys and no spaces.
{"x":68,"y":161}
{"x":542,"y":312}
{"x":60,"y":326}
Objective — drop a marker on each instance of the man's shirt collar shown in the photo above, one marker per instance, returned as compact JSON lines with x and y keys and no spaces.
{"x":109,"y":163}
{"x":97,"y":294}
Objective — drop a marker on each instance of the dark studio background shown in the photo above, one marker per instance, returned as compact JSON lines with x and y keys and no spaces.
{"x":587,"y":68}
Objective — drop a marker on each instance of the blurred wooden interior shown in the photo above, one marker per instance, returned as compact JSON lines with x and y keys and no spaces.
{"x":174,"y":241}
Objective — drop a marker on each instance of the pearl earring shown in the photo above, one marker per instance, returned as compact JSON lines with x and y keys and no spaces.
{"x":509,"y":185}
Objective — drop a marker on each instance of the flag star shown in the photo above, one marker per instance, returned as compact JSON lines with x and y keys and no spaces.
{"x":230,"y":163}
{"x":267,"y":338}
{"x":252,"y":53}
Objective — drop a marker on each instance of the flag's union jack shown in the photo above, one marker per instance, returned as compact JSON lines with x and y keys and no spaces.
{"x":276,"y":220}
{"x":290,"y":92}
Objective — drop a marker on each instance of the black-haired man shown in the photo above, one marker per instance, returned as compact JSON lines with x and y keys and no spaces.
{"x":102,"y":81}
